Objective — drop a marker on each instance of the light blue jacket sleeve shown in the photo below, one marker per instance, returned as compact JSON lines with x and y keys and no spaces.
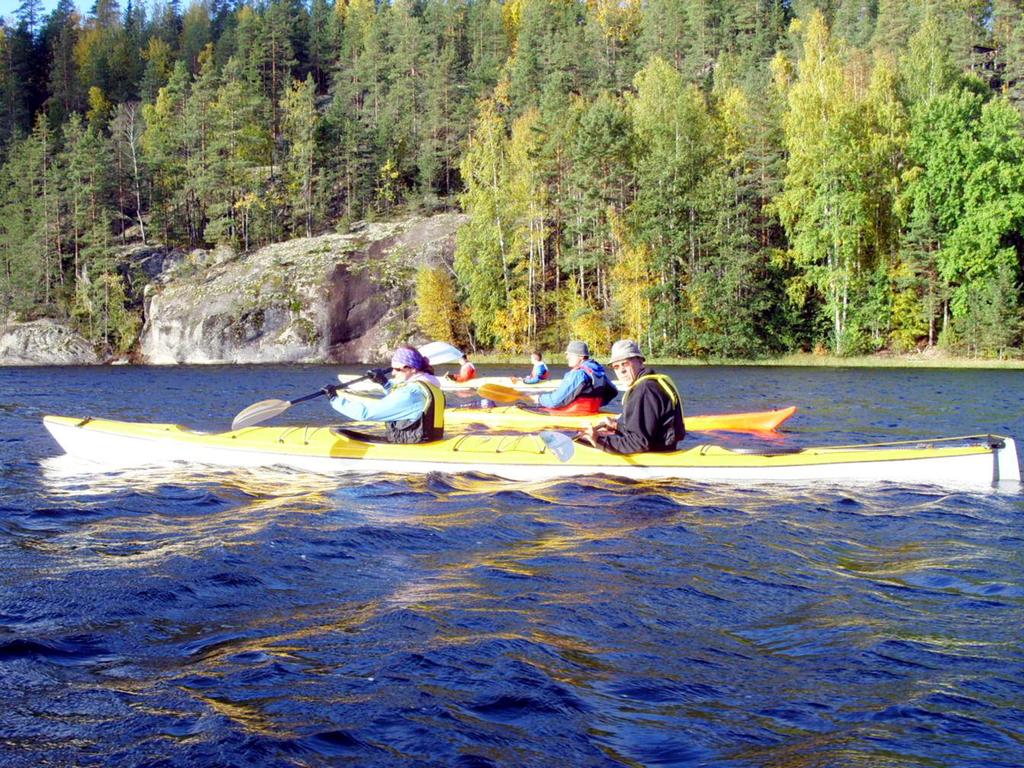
{"x":398,"y":405}
{"x":571,"y":385}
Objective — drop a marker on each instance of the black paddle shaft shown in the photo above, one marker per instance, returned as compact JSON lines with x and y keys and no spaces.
{"x":316,"y":394}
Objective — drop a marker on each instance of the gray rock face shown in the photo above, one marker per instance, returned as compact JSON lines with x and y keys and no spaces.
{"x":332,"y":298}
{"x":44,"y":342}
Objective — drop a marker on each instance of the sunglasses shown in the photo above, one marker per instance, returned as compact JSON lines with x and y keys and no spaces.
{"x":399,"y":370}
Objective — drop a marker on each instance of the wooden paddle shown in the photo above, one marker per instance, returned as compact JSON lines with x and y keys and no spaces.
{"x":437,"y":352}
{"x":502,"y":394}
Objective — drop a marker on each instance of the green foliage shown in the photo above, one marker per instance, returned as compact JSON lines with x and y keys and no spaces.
{"x":844,"y":143}
{"x":717,"y":179}
{"x":482,"y":256}
{"x":299,"y":132}
{"x":967,"y":185}
{"x":25,"y":270}
{"x":437,"y":309}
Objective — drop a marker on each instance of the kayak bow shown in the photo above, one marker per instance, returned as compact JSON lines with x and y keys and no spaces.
{"x":972,"y":461}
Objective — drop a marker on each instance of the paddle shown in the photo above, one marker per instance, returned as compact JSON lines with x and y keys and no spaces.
{"x":559,"y":444}
{"x":440,"y":352}
{"x":268,"y":409}
{"x":502,"y":394}
{"x":437,"y":352}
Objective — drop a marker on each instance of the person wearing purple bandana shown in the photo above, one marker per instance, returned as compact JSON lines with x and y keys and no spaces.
{"x":412,"y":407}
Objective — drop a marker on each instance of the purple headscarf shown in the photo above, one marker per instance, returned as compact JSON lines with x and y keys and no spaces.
{"x":404,"y":356}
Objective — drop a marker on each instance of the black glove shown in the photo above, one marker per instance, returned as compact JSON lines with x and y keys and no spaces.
{"x":379,"y":375}
{"x":331,"y":391}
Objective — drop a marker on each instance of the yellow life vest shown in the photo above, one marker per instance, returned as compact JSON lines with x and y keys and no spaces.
{"x":664,"y":382}
{"x":427,"y":427}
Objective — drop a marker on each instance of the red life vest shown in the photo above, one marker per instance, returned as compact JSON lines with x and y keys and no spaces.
{"x":580,"y":405}
{"x":590,"y":398}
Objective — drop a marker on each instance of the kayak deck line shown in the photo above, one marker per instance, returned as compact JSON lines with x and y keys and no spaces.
{"x":971,"y":460}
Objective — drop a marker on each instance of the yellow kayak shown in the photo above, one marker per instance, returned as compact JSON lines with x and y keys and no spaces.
{"x":970,"y":461}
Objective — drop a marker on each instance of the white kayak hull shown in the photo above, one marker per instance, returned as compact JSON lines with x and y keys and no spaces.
{"x":976,"y":463}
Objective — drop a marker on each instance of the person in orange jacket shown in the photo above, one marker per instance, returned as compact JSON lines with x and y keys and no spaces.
{"x":466,"y":372}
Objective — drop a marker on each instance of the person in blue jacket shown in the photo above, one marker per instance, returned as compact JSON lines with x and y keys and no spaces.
{"x":539,"y":372}
{"x":584,"y":389}
{"x":413,"y":405}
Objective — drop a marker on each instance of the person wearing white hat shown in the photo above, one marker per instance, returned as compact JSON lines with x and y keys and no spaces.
{"x":652,"y":411}
{"x":584,"y":389}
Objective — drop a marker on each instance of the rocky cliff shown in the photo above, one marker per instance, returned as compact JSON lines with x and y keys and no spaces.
{"x":332,"y":298}
{"x":43,"y":342}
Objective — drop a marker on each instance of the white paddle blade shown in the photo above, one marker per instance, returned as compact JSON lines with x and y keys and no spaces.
{"x":259,"y":412}
{"x":440,"y":352}
{"x":559,"y":444}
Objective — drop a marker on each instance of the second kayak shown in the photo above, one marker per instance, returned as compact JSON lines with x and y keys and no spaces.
{"x":517,"y":419}
{"x":363,"y":385}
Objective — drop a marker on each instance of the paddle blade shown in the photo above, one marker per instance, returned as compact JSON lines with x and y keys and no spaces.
{"x":499,"y":393}
{"x":440,"y":352}
{"x":259,"y":412}
{"x":559,"y":444}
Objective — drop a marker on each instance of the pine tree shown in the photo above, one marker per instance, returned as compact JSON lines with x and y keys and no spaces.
{"x":165,"y":154}
{"x":30,"y":15}
{"x":322,"y":51}
{"x":300,"y":125}
{"x":489,"y":49}
{"x":30,"y":269}
{"x":400,"y":121}
{"x":195,"y":34}
{"x":602,"y":185}
{"x":85,"y":165}
{"x":549,"y":54}
{"x":666,"y":32}
{"x":278,"y":55}
{"x":1008,"y":37}
{"x":241,"y":206}
{"x":895,"y":24}
{"x":204,"y":178}
{"x":61,"y":33}
{"x":855,"y":21}
{"x":159,"y":66}
{"x":351,"y":119}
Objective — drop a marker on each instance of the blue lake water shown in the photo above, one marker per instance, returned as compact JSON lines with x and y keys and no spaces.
{"x":186,"y":616}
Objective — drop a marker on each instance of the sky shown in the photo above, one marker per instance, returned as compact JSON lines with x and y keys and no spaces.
{"x":9,"y":7}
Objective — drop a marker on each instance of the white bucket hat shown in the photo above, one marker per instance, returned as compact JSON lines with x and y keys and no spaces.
{"x":625,"y":349}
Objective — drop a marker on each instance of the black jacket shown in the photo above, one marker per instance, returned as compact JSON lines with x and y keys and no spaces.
{"x":650,"y":421}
